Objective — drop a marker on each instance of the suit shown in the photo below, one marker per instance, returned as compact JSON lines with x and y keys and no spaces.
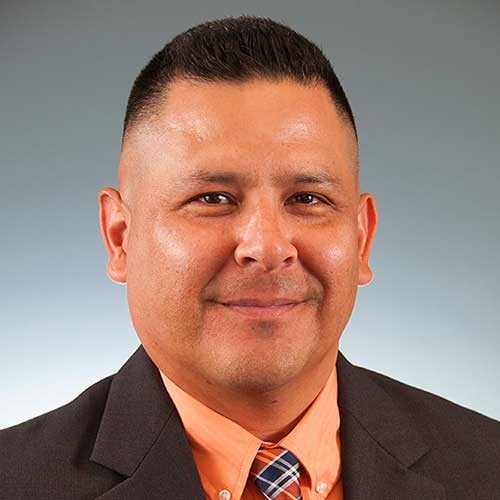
{"x":122,"y":439}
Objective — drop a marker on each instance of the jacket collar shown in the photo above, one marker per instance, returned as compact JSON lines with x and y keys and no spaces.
{"x":142,"y":438}
{"x":379,"y":442}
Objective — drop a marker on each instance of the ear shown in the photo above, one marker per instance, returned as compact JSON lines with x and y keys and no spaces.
{"x":114,"y":218}
{"x":367,"y":227}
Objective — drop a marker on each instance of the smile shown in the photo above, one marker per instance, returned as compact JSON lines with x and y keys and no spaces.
{"x":270,"y":311}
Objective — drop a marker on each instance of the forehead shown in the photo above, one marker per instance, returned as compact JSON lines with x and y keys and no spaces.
{"x":286,"y":111}
{"x":256,"y":126}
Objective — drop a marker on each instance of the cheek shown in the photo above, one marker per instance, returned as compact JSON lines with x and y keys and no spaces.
{"x":185,"y":259}
{"x":172,"y":249}
{"x":167,"y":271}
{"x":332,"y":257}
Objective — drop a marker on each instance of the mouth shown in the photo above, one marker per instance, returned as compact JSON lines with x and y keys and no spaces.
{"x":261,"y":311}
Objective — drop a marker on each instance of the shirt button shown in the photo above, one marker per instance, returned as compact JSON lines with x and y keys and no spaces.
{"x":224,"y":495}
{"x":321,"y":487}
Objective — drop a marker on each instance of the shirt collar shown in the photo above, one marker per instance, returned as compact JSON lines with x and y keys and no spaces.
{"x":224,"y":451}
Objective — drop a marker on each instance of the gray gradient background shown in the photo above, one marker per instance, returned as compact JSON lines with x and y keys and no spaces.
{"x":423,"y":79}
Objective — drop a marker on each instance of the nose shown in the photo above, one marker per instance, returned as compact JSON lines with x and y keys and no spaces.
{"x":264,"y":241}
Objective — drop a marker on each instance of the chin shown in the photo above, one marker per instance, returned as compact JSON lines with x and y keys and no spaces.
{"x":260,"y":372}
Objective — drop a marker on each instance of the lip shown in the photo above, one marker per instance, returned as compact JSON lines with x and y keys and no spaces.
{"x":260,"y":302}
{"x":261,"y":311}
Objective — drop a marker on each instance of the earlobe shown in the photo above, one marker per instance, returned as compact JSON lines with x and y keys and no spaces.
{"x":113,"y":223}
{"x":367,"y":227}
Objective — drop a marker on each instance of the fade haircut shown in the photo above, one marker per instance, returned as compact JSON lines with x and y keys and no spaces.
{"x":233,"y":49}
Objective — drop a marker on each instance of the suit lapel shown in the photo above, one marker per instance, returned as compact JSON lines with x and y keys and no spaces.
{"x":379,"y":443}
{"x":142,"y":438}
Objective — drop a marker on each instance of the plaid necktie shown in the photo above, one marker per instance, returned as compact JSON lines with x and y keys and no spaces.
{"x":276,"y":473}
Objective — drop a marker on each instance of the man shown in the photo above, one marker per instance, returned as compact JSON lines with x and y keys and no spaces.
{"x":240,"y":231}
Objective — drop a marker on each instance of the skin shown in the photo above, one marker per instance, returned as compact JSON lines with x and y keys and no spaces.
{"x":183,"y":254}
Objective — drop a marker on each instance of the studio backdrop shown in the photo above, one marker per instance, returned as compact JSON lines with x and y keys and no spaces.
{"x":422,"y":79}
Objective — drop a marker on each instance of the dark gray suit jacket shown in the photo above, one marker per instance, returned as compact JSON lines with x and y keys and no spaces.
{"x":122,"y":439}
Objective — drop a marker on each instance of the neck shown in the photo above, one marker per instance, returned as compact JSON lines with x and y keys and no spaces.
{"x":279,"y":410}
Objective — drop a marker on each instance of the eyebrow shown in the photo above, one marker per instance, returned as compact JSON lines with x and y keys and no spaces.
{"x":232,"y":178}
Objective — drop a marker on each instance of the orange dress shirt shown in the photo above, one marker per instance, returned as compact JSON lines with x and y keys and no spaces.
{"x":224,"y":451}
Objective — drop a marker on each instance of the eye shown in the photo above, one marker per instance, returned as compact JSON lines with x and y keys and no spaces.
{"x":212,"y":197}
{"x":306,"y":198}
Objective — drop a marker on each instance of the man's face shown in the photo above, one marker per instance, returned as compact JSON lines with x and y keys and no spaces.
{"x":220,"y":210}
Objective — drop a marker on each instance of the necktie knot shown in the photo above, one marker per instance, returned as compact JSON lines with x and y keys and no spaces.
{"x":276,"y":472}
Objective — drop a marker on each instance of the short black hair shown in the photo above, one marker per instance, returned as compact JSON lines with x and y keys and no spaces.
{"x":235,"y":49}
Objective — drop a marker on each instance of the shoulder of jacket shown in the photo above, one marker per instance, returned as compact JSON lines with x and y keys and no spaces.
{"x":439,"y":415}
{"x":48,"y":456}
{"x":58,"y":428}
